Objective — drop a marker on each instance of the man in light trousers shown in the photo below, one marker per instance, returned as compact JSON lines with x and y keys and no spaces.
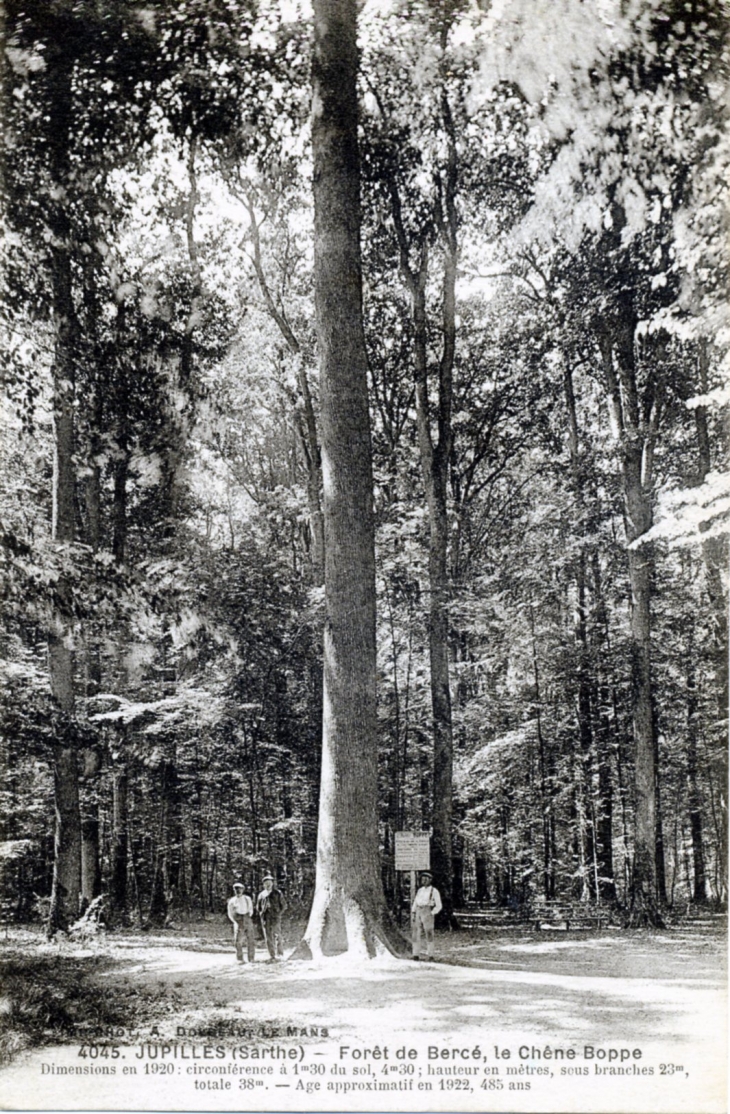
{"x":426,"y":906}
{"x":240,"y":914}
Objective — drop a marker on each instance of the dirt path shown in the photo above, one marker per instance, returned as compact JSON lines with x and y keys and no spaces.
{"x":597,"y":989}
{"x":661,"y":995}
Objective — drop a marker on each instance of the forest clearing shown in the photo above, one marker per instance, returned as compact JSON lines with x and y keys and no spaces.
{"x":364,"y":518}
{"x":657,"y":992}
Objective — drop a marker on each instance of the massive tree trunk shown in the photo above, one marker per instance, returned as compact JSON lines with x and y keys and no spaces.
{"x":66,"y":886}
{"x":349,"y":911}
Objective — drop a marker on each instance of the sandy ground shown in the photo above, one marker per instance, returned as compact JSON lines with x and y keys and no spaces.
{"x":663,"y":993}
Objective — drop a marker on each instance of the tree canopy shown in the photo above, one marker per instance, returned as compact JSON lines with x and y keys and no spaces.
{"x":542,"y":359}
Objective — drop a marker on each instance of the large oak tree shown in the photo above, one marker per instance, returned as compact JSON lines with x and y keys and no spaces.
{"x":349,"y":910}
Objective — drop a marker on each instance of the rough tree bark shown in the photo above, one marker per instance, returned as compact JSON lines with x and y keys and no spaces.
{"x":635,"y":417}
{"x":349,"y":911}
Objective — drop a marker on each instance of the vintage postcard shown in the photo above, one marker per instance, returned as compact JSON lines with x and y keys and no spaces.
{"x":363,"y":524}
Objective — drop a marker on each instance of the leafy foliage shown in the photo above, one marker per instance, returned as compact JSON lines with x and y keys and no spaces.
{"x":591,"y":170}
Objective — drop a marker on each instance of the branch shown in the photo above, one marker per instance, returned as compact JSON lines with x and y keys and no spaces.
{"x":278,"y":316}
{"x":193,"y":198}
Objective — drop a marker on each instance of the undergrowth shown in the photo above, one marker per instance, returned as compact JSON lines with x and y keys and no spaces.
{"x":48,"y":999}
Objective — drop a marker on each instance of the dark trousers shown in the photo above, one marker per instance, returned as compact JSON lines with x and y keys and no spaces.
{"x":244,"y":927}
{"x":272,"y":933}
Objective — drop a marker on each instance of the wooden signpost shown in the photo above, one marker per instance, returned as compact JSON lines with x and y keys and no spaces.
{"x":412,"y":853}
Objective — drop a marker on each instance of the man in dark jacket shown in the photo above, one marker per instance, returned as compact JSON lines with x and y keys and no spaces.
{"x":270,"y":904}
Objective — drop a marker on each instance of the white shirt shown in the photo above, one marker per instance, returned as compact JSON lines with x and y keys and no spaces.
{"x":428,"y":896}
{"x":239,"y":903}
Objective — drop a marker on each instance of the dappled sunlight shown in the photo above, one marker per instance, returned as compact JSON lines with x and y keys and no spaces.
{"x":554,"y":945}
{"x":190,"y":999}
{"x":399,"y":995}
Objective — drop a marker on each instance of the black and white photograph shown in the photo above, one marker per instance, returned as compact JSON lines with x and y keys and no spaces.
{"x":364,"y":516}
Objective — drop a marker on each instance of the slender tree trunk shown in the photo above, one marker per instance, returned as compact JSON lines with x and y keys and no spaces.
{"x":699,"y":884}
{"x":635,"y":420}
{"x":712,"y":553}
{"x":548,"y":872}
{"x":594,"y":755}
{"x":605,"y":744}
{"x":458,"y":861}
{"x":119,"y":538}
{"x":120,"y":841}
{"x":585,"y":714}
{"x":349,"y":910}
{"x":66,"y":887}
{"x":659,"y":855}
{"x":645,"y":875}
{"x":90,"y":867}
{"x":89,"y":768}
{"x":175,"y":839}
{"x":89,"y":804}
{"x":308,"y":432}
{"x":158,"y":905}
{"x":435,"y":468}
{"x":482,"y":879}
{"x":443,"y":744}
{"x":196,"y":848}
{"x":435,"y":457}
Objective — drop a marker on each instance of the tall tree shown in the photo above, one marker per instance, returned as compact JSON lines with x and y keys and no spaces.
{"x":67,"y":855}
{"x":66,"y":135}
{"x":349,"y":910}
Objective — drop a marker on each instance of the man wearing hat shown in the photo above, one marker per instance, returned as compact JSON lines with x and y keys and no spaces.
{"x":270,"y":904}
{"x":240,"y":913}
{"x":426,"y":905}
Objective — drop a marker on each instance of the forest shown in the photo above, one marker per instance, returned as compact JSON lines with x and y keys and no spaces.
{"x":501,"y":354}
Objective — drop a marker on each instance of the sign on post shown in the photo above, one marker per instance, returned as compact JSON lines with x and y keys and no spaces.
{"x":412,"y":851}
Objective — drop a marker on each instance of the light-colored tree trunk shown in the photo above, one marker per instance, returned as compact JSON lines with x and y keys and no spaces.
{"x":349,"y":911}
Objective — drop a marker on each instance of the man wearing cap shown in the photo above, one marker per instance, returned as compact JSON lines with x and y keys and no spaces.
{"x":240,"y":914}
{"x":270,"y":904}
{"x":426,"y":905}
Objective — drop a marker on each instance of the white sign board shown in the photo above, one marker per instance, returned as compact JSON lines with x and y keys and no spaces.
{"x":412,"y":851}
